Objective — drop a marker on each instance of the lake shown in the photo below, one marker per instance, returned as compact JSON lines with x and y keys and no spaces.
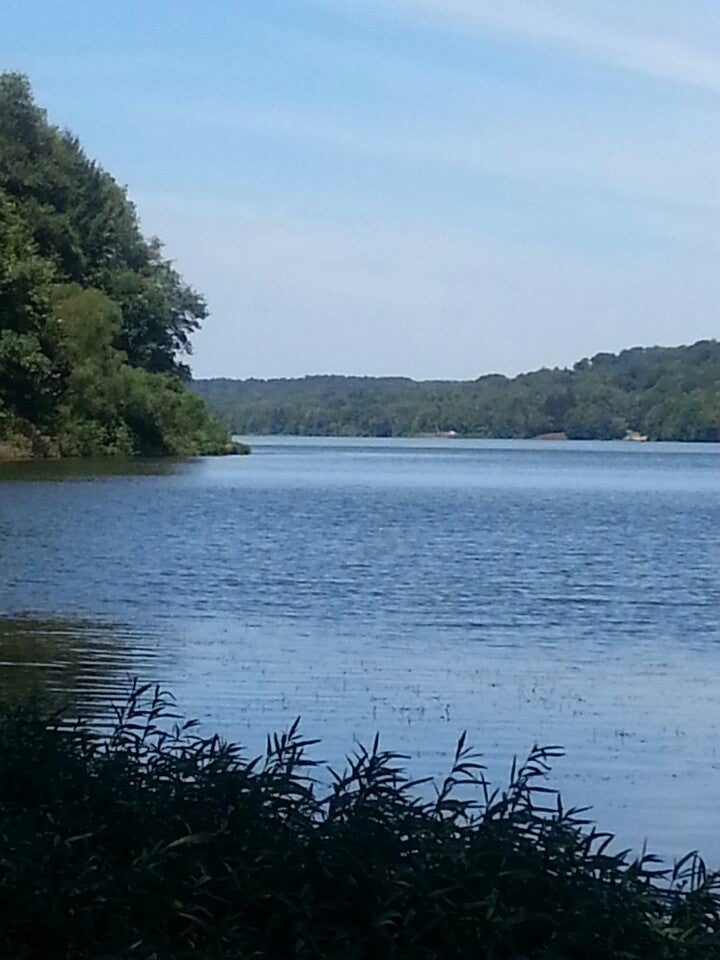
{"x":562,"y":593}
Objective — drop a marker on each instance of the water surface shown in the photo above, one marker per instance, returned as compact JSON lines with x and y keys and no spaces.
{"x":527,"y":592}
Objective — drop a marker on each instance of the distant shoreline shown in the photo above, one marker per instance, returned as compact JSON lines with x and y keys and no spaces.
{"x":646,"y":393}
{"x":250,"y":438}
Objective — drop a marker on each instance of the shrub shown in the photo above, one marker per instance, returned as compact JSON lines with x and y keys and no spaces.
{"x":153,"y":841}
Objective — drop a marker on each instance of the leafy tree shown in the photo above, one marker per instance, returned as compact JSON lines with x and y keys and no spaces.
{"x":94,"y":321}
{"x":31,"y":367}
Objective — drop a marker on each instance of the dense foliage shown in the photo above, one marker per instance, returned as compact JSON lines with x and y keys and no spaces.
{"x":153,"y":842}
{"x":93,"y":320}
{"x":663,"y":393}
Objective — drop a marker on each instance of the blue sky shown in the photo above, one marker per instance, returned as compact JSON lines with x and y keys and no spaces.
{"x":431,"y":188}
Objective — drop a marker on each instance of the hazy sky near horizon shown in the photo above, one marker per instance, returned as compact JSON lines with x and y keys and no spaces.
{"x":428,"y":188}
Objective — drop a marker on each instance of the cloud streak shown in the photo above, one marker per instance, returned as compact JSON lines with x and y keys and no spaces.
{"x":660,"y":170}
{"x":539,"y":22}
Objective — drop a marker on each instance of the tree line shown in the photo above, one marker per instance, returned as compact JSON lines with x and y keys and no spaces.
{"x":95,"y":322}
{"x":663,"y":393}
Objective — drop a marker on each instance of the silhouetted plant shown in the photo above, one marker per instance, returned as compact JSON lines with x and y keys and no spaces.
{"x":150,"y":840}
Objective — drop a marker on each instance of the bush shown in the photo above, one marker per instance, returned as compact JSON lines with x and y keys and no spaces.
{"x":153,"y":841}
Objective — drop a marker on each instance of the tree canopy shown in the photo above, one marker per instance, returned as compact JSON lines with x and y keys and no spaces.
{"x":664,"y":393}
{"x":95,"y":323}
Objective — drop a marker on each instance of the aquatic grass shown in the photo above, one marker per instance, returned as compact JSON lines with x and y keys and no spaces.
{"x":151,"y":840}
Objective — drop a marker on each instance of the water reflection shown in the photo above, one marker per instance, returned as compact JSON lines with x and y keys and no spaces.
{"x":74,"y":665}
{"x":90,"y":468}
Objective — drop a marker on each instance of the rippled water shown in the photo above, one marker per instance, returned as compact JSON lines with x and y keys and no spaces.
{"x":559,"y":593}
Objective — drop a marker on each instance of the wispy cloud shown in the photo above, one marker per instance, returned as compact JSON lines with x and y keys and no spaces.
{"x":663,"y":169}
{"x":639,"y":49}
{"x":669,"y":169}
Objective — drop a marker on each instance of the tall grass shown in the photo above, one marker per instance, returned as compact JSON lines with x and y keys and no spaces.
{"x":152,"y":841}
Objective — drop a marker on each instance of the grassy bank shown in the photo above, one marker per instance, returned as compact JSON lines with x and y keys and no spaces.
{"x":153,"y":841}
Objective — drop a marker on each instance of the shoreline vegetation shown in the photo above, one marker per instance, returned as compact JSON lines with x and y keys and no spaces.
{"x":95,"y":322}
{"x":653,"y":393}
{"x":18,"y":449}
{"x":151,"y":840}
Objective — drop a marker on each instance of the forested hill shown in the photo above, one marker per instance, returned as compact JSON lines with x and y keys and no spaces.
{"x":94,"y":321}
{"x":665,"y":393}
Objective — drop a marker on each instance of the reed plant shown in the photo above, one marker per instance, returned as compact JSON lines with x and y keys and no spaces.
{"x":150,"y":840}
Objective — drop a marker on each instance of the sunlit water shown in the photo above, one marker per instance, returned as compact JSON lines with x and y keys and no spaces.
{"x":527,"y":592}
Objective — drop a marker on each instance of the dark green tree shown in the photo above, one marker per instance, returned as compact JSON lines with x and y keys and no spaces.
{"x":95,"y":323}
